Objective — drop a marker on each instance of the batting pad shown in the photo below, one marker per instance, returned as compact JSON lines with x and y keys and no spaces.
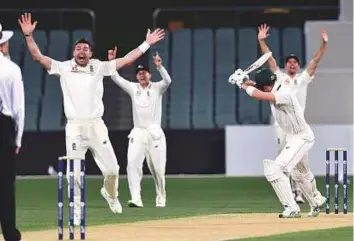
{"x":305,"y":182}
{"x":280,"y":183}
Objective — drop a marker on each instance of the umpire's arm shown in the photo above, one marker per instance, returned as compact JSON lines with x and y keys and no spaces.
{"x":18,"y":105}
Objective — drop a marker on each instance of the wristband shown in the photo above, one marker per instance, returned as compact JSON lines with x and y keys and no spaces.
{"x":27,"y":34}
{"x":144,"y":47}
{"x":249,"y":90}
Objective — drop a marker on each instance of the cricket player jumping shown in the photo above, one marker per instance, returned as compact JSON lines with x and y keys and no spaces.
{"x":289,"y":114}
{"x":298,"y":82}
{"x":81,"y":80}
{"x":146,"y":139}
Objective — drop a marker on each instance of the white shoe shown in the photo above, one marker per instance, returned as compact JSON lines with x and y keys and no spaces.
{"x":135,"y":204}
{"x":320,"y":201}
{"x":290,"y":213}
{"x":113,"y":203}
{"x":160,"y":202}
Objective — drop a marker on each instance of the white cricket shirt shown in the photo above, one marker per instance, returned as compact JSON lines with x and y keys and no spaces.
{"x":288,"y":112}
{"x":12,"y":97}
{"x":82,"y":87}
{"x":298,"y":85}
{"x":146,"y":102}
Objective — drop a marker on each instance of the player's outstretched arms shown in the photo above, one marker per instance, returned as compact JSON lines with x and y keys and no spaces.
{"x":312,"y":66}
{"x":125,"y":84}
{"x":262,"y":35}
{"x":28,"y":28}
{"x":151,"y":39}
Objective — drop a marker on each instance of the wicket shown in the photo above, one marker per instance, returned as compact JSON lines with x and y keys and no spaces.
{"x":336,"y":182}
{"x":71,"y":197}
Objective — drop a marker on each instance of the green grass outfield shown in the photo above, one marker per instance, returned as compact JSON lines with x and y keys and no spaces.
{"x":37,"y":202}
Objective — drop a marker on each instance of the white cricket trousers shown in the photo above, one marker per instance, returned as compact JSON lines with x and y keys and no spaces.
{"x":293,"y":152}
{"x":281,"y":141}
{"x":92,"y":134}
{"x":149,"y":144}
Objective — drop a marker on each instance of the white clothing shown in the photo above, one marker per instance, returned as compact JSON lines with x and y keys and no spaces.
{"x":298,"y":84}
{"x":146,"y":102}
{"x":82,"y":87}
{"x":146,"y":139}
{"x":82,"y":135}
{"x":142,"y":145}
{"x":288,"y":112}
{"x":12,"y":97}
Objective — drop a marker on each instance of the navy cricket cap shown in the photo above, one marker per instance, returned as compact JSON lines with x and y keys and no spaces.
{"x":264,"y":77}
{"x":142,"y":67}
{"x":292,"y":56}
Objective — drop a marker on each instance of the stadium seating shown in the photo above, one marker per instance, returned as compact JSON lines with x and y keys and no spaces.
{"x":225,"y":94}
{"x":181,"y":70}
{"x":292,"y":42}
{"x":202,"y":101}
{"x":199,"y":61}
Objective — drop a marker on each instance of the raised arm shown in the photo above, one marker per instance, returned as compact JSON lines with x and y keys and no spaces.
{"x":312,"y":66}
{"x":166,"y":79}
{"x":262,"y":35}
{"x":125,"y":84}
{"x":28,"y":28}
{"x":151,"y":39}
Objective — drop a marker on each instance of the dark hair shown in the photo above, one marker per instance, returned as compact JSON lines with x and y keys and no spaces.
{"x":84,"y":41}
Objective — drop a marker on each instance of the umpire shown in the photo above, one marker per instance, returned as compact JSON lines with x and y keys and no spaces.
{"x":12,"y":112}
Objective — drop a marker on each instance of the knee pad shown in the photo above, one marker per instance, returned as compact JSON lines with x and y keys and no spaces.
{"x":272,"y":170}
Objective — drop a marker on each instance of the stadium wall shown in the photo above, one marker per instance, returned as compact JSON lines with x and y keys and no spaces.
{"x":188,"y":152}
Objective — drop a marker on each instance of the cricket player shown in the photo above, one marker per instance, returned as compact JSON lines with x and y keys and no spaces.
{"x":289,"y":114}
{"x":81,"y":80}
{"x":146,"y":139}
{"x":298,"y":82}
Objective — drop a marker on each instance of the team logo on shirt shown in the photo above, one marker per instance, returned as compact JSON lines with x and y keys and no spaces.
{"x":138,"y":93}
{"x":287,"y":81}
{"x":74,"y":69}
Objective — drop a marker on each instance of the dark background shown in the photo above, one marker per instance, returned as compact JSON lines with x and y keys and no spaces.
{"x":124,"y":23}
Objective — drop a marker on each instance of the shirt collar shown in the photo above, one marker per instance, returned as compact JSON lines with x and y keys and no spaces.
{"x":78,"y":68}
{"x":147,"y":87}
{"x":1,"y":56}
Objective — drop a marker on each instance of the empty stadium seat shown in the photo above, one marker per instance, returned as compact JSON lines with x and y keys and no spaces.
{"x":265,"y":112}
{"x":17,"y":47}
{"x":225,"y":93}
{"x":81,"y":33}
{"x":202,"y":103}
{"x":292,"y":42}
{"x":247,"y":51}
{"x":273,"y":42}
{"x":163,"y":49}
{"x":50,"y":119}
{"x":248,"y":109}
{"x":32,"y":71}
{"x":52,"y":86}
{"x":59,"y":45}
{"x":181,"y":77}
{"x":31,"y":112}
